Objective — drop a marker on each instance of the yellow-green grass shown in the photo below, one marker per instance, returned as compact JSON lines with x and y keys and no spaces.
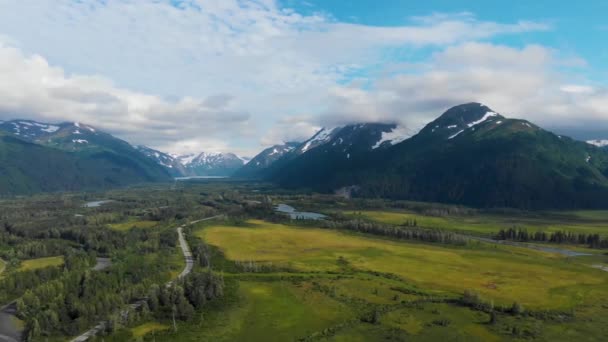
{"x":596,"y":215}
{"x":2,"y":266}
{"x":33,"y":264}
{"x":502,"y":273}
{"x":270,"y":311}
{"x":133,"y":224}
{"x":367,"y":288}
{"x":490,"y":224}
{"x":146,"y":328}
{"x":417,"y":323}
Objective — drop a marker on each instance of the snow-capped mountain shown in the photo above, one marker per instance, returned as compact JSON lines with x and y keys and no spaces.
{"x":364,"y":136}
{"x":212,"y":163}
{"x":470,"y":154}
{"x":328,"y":146}
{"x":265,"y":158}
{"x":461,"y":120}
{"x":28,"y":129}
{"x":169,"y":162}
{"x":202,"y":164}
{"x":66,"y":135}
{"x":69,"y":156}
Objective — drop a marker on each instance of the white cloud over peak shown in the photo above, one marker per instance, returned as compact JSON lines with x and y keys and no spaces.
{"x":31,"y":88}
{"x":518,"y":82}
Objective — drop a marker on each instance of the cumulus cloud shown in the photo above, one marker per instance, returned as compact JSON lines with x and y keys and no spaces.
{"x":219,"y":62}
{"x":32,"y":88}
{"x":518,"y":82}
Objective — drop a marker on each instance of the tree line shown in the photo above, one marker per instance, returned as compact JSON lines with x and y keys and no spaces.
{"x":561,"y":237}
{"x":403,"y":232}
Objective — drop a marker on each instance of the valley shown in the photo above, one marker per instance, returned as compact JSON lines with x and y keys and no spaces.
{"x":303,"y":171}
{"x":477,"y":227}
{"x":368,"y":270}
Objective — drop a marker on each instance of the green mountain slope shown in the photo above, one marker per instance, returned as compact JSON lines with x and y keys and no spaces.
{"x":65,"y":158}
{"x":473,"y":156}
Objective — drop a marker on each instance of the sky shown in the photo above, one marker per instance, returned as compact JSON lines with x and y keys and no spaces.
{"x":186,"y":76}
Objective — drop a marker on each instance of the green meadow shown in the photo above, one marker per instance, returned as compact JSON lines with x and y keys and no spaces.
{"x":33,"y":264}
{"x":501,"y":273}
{"x":147,"y":328}
{"x":133,"y":224}
{"x":327,"y":285}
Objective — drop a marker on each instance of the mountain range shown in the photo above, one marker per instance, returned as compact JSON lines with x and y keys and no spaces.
{"x":38,"y":157}
{"x":71,"y":156}
{"x":215,"y":164}
{"x":469,"y":155}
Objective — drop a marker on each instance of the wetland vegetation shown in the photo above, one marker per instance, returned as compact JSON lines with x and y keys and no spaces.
{"x":371,"y":270}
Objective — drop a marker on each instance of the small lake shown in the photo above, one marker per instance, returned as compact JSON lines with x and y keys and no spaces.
{"x":200,"y":177}
{"x":95,"y":204}
{"x":298,"y":215}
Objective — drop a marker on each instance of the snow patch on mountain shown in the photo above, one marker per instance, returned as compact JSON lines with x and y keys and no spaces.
{"x":455,"y":135}
{"x":323,"y":136}
{"x":186,"y":159}
{"x":598,"y":142}
{"x":471,"y":125}
{"x":484,"y":118}
{"x":49,"y":128}
{"x":395,"y":136}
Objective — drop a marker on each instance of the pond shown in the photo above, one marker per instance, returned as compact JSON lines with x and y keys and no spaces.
{"x":95,"y":204}
{"x":298,"y":215}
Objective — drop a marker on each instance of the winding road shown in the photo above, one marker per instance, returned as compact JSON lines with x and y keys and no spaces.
{"x":187,"y":269}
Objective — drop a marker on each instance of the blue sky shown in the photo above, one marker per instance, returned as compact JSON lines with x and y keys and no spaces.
{"x":234,"y":75}
{"x":577,"y":28}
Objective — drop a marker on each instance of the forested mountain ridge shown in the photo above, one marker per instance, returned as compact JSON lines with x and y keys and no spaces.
{"x":169,"y":162}
{"x":68,"y":157}
{"x":258,"y":165}
{"x":469,"y":155}
{"x":329,"y":150}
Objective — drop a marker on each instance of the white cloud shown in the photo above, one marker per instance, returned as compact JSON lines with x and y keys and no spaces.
{"x":518,"y":82}
{"x":251,"y":57}
{"x":31,"y":88}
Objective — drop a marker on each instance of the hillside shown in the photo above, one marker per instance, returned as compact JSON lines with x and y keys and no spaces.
{"x":167,"y":161}
{"x":69,"y":156}
{"x":469,"y":155}
{"x":259,"y":164}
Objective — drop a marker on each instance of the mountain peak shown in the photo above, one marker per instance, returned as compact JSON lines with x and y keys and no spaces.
{"x":465,"y":113}
{"x":460,"y":118}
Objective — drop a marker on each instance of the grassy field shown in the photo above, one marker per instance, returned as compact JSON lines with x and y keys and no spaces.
{"x":588,"y":222}
{"x":500,"y":273}
{"x":33,"y":264}
{"x":133,"y":224}
{"x":2,"y":266}
{"x":324,"y":285}
{"x":147,"y":328}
